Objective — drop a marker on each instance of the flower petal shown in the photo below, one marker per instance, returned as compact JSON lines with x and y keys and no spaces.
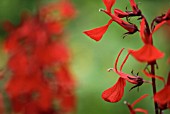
{"x":97,"y":33}
{"x":139,"y":99}
{"x":109,"y":4}
{"x":141,"y":110}
{"x":133,"y":5}
{"x":158,"y":26}
{"x":162,"y":97}
{"x":147,"y":53}
{"x":145,"y":32}
{"x":115,"y":93}
{"x":119,"y":13}
{"x":154,"y":76}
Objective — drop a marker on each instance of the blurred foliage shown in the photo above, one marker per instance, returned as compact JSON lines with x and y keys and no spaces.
{"x":91,"y":59}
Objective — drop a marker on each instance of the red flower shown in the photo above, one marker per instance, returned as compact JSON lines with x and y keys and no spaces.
{"x":97,"y":33}
{"x":135,"y":11}
{"x":37,"y":51}
{"x":115,"y":93}
{"x":148,"y":52}
{"x":160,"y":20}
{"x":130,"y":106}
{"x":163,"y":96}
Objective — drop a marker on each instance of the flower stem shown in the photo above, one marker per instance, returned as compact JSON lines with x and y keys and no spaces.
{"x":154,"y":85}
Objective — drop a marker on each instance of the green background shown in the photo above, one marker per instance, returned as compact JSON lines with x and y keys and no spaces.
{"x":91,"y":59}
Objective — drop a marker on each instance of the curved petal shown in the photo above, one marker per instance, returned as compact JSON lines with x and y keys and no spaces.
{"x":162,"y":97}
{"x":97,"y":33}
{"x":115,"y":93}
{"x":119,"y":13}
{"x":154,"y":76}
{"x":141,"y":110}
{"x":158,"y":26}
{"x":109,"y":4}
{"x":147,"y":53}
{"x":133,"y":5}
{"x":139,"y":99}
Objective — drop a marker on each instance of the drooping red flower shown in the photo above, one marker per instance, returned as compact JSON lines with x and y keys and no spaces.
{"x":162,"y":97}
{"x":148,"y":52}
{"x":97,"y":33}
{"x":160,"y":20}
{"x":130,"y":106}
{"x":115,"y":93}
{"x":135,"y":11}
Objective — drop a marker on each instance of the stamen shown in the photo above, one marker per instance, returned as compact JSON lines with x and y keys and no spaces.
{"x":101,"y":9}
{"x":108,"y":70}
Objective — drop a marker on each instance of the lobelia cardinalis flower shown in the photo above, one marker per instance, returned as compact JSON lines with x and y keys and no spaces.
{"x":130,"y":106}
{"x":135,"y":11}
{"x":97,"y":33}
{"x":115,"y":93}
{"x":160,"y":20}
{"x":162,"y":97}
{"x":148,"y":53}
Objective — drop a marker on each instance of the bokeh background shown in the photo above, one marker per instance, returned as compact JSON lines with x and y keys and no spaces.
{"x":91,"y":59}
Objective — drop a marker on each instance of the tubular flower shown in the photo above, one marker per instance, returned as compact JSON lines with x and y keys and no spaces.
{"x":160,"y":20}
{"x":97,"y":33}
{"x":135,"y":11}
{"x":130,"y":106}
{"x":162,"y":97}
{"x":115,"y":93}
{"x":148,"y":53}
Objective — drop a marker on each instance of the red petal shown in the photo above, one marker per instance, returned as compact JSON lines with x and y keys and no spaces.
{"x":115,"y":65}
{"x":154,"y":76}
{"x":141,"y":110}
{"x":97,"y":33}
{"x":147,"y":53}
{"x":115,"y":93}
{"x":167,"y":16}
{"x":158,"y":26}
{"x":109,"y":4}
{"x":119,"y":13}
{"x":162,"y":97}
{"x":133,"y":5}
{"x":139,"y":99}
{"x":145,"y":32}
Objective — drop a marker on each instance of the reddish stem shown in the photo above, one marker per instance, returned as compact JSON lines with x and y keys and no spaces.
{"x":154,"y":85}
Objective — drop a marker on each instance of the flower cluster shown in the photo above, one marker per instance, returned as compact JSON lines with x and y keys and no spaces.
{"x":41,"y":81}
{"x":148,"y":53}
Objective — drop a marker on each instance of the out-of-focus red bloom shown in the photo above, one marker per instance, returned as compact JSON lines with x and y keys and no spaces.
{"x":115,"y":93}
{"x":130,"y":106}
{"x":38,"y":61}
{"x":64,"y":8}
{"x":97,"y":33}
{"x":148,"y":53}
{"x":162,"y":97}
